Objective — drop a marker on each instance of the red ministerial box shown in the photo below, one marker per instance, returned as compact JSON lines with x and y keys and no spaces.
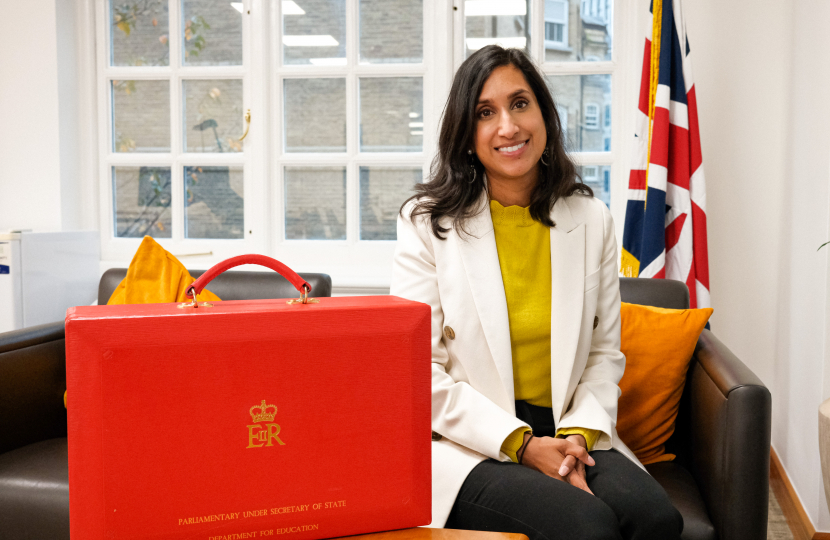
{"x":248,"y":419}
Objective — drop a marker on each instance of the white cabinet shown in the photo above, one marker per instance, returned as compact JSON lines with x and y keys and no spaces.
{"x":43,"y":274}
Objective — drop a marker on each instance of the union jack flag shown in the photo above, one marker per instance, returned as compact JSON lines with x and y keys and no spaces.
{"x":665,"y":219}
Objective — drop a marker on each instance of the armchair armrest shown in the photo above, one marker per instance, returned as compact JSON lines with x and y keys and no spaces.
{"x":730,"y":428}
{"x":32,"y":383}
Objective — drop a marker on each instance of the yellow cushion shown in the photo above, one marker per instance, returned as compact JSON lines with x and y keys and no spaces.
{"x":155,"y":276}
{"x":658,"y":344}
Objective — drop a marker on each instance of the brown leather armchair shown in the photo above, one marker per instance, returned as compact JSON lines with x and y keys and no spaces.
{"x":719,"y":481}
{"x":34,"y":474}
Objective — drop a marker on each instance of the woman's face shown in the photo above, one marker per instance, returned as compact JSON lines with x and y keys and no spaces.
{"x":510,"y":131}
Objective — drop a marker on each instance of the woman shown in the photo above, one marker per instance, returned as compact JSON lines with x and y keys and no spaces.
{"x":519,"y":264}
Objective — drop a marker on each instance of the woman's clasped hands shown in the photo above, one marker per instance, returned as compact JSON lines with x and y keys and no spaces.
{"x":562,"y":459}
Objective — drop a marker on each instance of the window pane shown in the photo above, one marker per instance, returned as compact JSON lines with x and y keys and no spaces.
{"x":211,"y":33}
{"x":213,"y":205}
{"x":391,"y":31}
{"x":580,"y":100}
{"x":141,"y":116}
{"x":213,"y":118}
{"x":391,"y":114}
{"x":505,"y":22}
{"x":139,"y":33}
{"x":598,"y":177}
{"x":315,"y":203}
{"x":314,"y":32}
{"x":578,"y":30}
{"x":141,"y":201}
{"x":382,"y":191}
{"x":315,"y":115}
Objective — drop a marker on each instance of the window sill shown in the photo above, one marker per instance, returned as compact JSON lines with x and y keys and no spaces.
{"x":556,"y":46}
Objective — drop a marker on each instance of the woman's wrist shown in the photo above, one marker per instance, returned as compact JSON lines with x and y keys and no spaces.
{"x":576,"y":438}
{"x":520,"y":454}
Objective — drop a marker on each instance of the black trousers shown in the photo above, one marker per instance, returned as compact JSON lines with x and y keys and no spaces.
{"x":507,"y":497}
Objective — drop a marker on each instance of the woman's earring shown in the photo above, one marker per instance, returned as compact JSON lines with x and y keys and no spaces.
{"x":469,"y":152}
{"x":472,"y":170}
{"x":542,"y":159}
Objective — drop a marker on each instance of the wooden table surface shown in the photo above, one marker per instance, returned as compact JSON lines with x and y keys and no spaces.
{"x":423,"y":533}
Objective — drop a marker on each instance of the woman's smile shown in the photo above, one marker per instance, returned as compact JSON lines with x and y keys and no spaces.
{"x":512,"y":151}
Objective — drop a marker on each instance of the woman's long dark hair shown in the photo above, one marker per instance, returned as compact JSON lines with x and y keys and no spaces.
{"x":451,"y":191}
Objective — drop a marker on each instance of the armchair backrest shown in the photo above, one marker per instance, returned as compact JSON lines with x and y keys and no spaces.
{"x":234,"y":285}
{"x":32,"y":382}
{"x":662,"y":293}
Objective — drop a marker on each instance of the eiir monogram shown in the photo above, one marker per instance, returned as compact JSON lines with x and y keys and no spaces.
{"x":266,"y":435}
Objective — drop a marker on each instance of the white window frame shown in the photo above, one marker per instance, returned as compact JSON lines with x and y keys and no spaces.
{"x":355,"y":265}
{"x":624,"y":70}
{"x":352,"y":263}
{"x":115,"y":250}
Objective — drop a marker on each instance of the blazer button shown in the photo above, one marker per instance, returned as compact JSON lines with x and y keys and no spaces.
{"x":436,"y":436}
{"x":596,"y":322}
{"x":449,"y":332}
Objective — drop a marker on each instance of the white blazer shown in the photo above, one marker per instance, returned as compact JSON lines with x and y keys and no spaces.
{"x":473,"y":405}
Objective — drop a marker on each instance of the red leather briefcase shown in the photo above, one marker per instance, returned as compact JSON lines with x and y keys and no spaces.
{"x":248,"y":419}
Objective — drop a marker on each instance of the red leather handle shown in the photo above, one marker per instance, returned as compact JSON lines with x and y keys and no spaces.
{"x":261,"y":260}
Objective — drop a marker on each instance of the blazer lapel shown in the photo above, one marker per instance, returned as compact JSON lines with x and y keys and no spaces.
{"x":481,"y":264}
{"x":567,"y":268}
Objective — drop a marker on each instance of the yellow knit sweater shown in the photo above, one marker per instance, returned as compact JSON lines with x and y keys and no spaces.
{"x":524,"y":256}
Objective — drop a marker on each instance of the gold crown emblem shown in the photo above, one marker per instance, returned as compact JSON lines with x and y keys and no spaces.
{"x":266,"y":413}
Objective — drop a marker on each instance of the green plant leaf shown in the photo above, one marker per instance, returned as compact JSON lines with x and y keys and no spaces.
{"x":821,"y":246}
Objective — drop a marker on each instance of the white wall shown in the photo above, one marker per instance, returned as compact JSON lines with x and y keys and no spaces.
{"x":29,"y":141}
{"x":802,"y":355}
{"x":69,"y":150}
{"x":761,"y":72}
{"x":742,"y":85}
{"x":40,"y":183}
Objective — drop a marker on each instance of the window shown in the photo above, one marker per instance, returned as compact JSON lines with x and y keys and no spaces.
{"x":344,"y":98}
{"x":339,"y":118}
{"x":598,"y":178}
{"x":583,"y":80}
{"x":589,"y":175}
{"x":495,"y":21}
{"x":556,"y":24}
{"x":177,"y":83}
{"x":554,"y":32}
{"x":351,"y":143}
{"x":591,"y":116}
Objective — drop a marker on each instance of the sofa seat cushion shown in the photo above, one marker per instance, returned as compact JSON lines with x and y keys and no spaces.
{"x":684,"y":494}
{"x":34,"y":491}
